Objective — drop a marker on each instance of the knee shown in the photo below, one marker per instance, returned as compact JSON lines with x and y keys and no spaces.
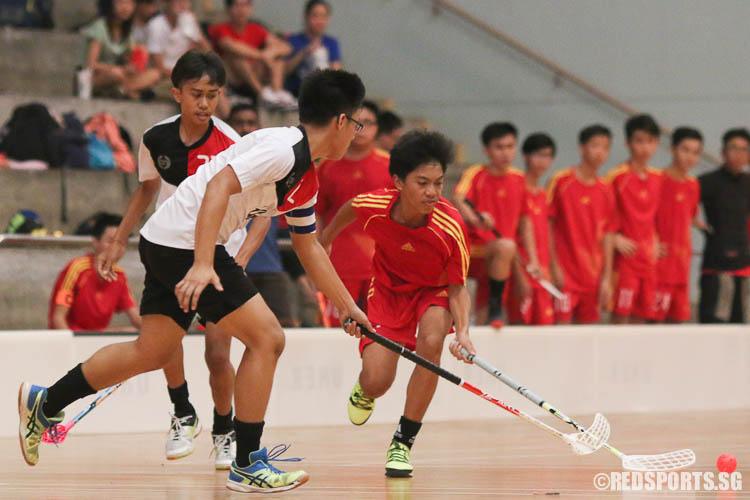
{"x":217,"y":358}
{"x":272,"y":340}
{"x":431,"y":346}
{"x":506,"y":247}
{"x":375,"y":385}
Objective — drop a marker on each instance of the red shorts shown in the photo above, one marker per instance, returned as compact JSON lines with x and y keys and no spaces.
{"x":478,"y":271}
{"x":584,"y":307}
{"x":635,"y":295}
{"x":396,"y":316}
{"x":357,"y":289}
{"x":535,"y":310}
{"x":672,"y":302}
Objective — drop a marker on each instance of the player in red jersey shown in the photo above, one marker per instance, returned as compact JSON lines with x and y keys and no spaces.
{"x":637,"y":188}
{"x":677,"y":213}
{"x":582,"y":221}
{"x":364,"y":168}
{"x":80,"y":300}
{"x":421,"y":262}
{"x":497,"y":191}
{"x":529,"y":303}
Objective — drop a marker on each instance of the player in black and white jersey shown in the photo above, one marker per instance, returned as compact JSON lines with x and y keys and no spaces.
{"x":171,"y":151}
{"x":268,"y":172}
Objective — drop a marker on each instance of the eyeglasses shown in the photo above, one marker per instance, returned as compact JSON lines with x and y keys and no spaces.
{"x":357,"y":125}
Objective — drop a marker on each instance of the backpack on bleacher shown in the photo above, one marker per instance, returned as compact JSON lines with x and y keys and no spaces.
{"x":75,"y":144}
{"x":32,"y":134}
{"x":105,"y":128}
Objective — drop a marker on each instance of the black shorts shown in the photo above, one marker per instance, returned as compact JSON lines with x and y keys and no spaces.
{"x":273,"y":289}
{"x":166,"y":266}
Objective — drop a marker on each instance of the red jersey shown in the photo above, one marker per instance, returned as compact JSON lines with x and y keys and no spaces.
{"x":409,"y":259}
{"x":582,"y":214}
{"x":91,"y":300}
{"x":340,"y":181}
{"x":253,"y":34}
{"x":535,"y":206}
{"x":499,"y":195}
{"x":677,"y":209}
{"x":637,"y":200}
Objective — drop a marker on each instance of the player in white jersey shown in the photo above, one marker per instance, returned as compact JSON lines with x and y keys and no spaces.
{"x":268,"y":172}
{"x":171,"y":151}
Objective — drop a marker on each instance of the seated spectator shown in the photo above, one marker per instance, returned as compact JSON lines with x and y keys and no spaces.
{"x":80,"y":299}
{"x":109,"y":49}
{"x":253,"y":55}
{"x":244,"y":118}
{"x":312,"y":49}
{"x":173,"y":33}
{"x":390,"y":128}
{"x":145,"y":10}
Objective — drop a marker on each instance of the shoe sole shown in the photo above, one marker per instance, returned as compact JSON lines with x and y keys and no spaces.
{"x":246,"y":488}
{"x":190,"y":452}
{"x":21,"y":429}
{"x":361,"y":423}
{"x":397,"y":472}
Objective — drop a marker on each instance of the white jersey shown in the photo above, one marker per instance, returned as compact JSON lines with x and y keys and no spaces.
{"x":276,"y":174}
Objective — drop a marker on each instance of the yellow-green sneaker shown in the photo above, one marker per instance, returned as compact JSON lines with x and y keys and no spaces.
{"x":262,"y":477}
{"x":397,"y":460}
{"x":33,"y":422}
{"x":360,"y":407}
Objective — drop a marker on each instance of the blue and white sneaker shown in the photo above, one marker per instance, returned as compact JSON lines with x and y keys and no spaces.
{"x":262,"y":477}
{"x":33,"y":422}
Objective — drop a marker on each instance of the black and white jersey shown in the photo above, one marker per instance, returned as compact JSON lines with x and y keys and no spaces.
{"x":277,"y":176}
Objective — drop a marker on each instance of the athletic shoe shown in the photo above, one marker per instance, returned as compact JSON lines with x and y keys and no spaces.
{"x":360,"y":407}
{"x":225,"y":449}
{"x":262,"y":477}
{"x":181,"y":434}
{"x":33,"y":422}
{"x":397,"y":460}
{"x":286,"y":100}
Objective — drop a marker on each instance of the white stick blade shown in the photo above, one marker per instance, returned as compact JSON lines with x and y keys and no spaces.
{"x":654,"y":463}
{"x":593,"y":438}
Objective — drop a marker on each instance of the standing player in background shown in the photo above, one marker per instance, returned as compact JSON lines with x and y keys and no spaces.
{"x":364,"y":168}
{"x":528,"y":302}
{"x":637,"y":188}
{"x":497,"y":191}
{"x":582,"y":222}
{"x":171,"y":151}
{"x":390,"y":128}
{"x":421,"y":261}
{"x":676,"y":216}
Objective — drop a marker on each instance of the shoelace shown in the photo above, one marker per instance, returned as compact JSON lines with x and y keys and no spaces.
{"x":222,"y":443}
{"x":398,"y":454}
{"x":361,"y":401}
{"x":275,"y":452}
{"x":175,"y":430}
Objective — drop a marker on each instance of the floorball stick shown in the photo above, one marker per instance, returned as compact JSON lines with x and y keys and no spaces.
{"x":58,"y":432}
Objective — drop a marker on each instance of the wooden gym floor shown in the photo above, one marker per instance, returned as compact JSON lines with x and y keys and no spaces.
{"x":474,"y":459}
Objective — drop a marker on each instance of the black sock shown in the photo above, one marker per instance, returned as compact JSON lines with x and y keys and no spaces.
{"x":248,"y":440}
{"x":222,"y":423}
{"x":73,"y":386}
{"x":180,"y":399}
{"x":407,"y":431}
{"x":496,"y":297}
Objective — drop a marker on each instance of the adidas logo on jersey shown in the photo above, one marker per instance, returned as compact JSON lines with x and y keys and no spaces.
{"x":408,"y":248}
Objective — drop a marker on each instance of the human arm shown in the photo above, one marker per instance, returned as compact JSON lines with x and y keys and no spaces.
{"x":341,"y":220}
{"x":59,"y":317}
{"x":556,"y":273}
{"x":624,"y":245}
{"x":319,"y":268}
{"x":255,"y":236}
{"x":605,"y":282}
{"x":300,"y":55}
{"x":134,"y":317}
{"x":459,"y":302}
{"x":526,"y":230}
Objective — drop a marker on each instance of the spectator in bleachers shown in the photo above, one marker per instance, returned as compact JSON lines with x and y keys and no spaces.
{"x":363,"y":168}
{"x":637,"y":188}
{"x":390,"y":128}
{"x":254,"y":56}
{"x":244,"y":118}
{"x":582,"y":221}
{"x":496,"y":190}
{"x":725,"y":195}
{"x":145,"y":10}
{"x":312,"y":49}
{"x":678,"y":210}
{"x":173,"y":33}
{"x":109,"y":48}
{"x":529,"y":303}
{"x":80,"y":299}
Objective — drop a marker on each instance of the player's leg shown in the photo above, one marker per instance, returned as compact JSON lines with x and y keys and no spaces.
{"x":185,"y":424}
{"x":434,"y":325}
{"x":679,"y":305}
{"x":500,"y":254}
{"x":257,"y":328}
{"x":41,"y":407}
{"x":221,"y":380}
{"x":376,"y":377}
